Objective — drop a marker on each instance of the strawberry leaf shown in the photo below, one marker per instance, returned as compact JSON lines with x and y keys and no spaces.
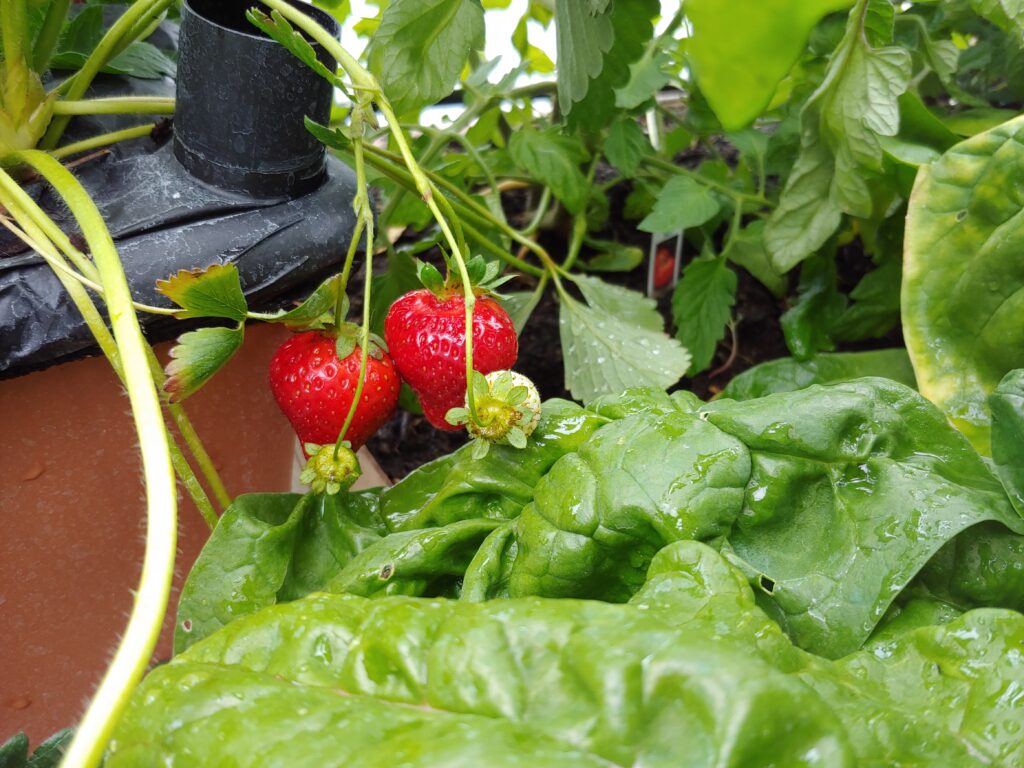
{"x":607,"y":350}
{"x":197,"y":356}
{"x":318,"y":309}
{"x":212,"y":292}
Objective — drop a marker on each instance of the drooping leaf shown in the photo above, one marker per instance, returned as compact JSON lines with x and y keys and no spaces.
{"x":197,"y":356}
{"x":626,"y":145}
{"x":682,"y":203}
{"x":612,"y":256}
{"x":215,"y":291}
{"x":606,"y":355}
{"x":584,"y":35}
{"x":788,"y":374}
{"x":420,"y":47}
{"x":554,"y":160}
{"x":632,"y":26}
{"x":278,"y":28}
{"x":1007,"y":406}
{"x":840,"y":128}
{"x":740,"y":51}
{"x":963,"y":283}
{"x":701,"y":306}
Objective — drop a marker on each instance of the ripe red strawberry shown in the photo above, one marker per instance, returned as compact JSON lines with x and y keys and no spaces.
{"x":315,"y":389}
{"x":426,"y":335}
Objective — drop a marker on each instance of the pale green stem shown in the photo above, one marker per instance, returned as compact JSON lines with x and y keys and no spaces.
{"x":49,"y":33}
{"x":14,"y":28}
{"x":117,"y":105}
{"x":365,"y":214}
{"x":137,"y":18}
{"x":103,"y":140}
{"x":364,"y":81}
{"x":150,"y":605}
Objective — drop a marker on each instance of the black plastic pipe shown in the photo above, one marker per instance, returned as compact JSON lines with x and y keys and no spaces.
{"x":238,"y":123}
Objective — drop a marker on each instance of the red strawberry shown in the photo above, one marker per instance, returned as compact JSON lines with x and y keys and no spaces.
{"x":426,"y":335}
{"x":664,"y":267}
{"x":315,"y":389}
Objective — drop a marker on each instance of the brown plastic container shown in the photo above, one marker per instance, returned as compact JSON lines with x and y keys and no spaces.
{"x":73,"y":518}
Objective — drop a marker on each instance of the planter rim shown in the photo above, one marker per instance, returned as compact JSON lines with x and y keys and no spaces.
{"x":318,"y":14}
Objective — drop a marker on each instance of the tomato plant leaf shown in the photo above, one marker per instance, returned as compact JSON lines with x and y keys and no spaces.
{"x":682,"y":203}
{"x":810,"y":323}
{"x":746,"y":249}
{"x":701,"y":306}
{"x":647,"y":76}
{"x":1008,"y":15}
{"x":740,"y":51}
{"x":839,"y":147}
{"x":554,"y":160}
{"x":626,"y":145}
{"x":612,"y":256}
{"x":420,"y":47}
{"x":788,"y":374}
{"x":215,"y":291}
{"x":197,"y":356}
{"x":963,"y":284}
{"x":605,"y":354}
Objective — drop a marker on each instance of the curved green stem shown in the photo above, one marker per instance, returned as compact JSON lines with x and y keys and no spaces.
{"x":135,"y":20}
{"x":117,"y":105}
{"x":136,"y":648}
{"x":540,"y":213}
{"x":366,"y":215}
{"x":663,"y":165}
{"x":49,"y":33}
{"x":103,"y":140}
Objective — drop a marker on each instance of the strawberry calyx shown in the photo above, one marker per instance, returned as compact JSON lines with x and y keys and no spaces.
{"x":484,"y":276}
{"x":328,"y":470}
{"x":347,"y":337}
{"x":507,"y":409}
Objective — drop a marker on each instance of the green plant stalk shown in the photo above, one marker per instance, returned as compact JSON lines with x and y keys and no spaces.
{"x":364,"y":81}
{"x":664,"y":165}
{"x":14,"y":28}
{"x":466,"y":207}
{"x":103,"y":140}
{"x":36,"y":223}
{"x":346,"y":271}
{"x":118,"y":105}
{"x":150,"y":605}
{"x":362,"y":203}
{"x":540,"y":213}
{"x":137,"y":17}
{"x":49,"y":33}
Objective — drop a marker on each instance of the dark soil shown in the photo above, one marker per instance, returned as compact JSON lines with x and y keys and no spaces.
{"x":409,"y":441}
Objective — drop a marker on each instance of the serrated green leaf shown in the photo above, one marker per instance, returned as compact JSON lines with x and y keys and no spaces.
{"x":746,"y":249}
{"x":632,"y":28}
{"x":311,"y":312}
{"x":280,"y":29}
{"x":627,"y":305}
{"x":420,"y":47}
{"x":682,"y":203}
{"x":215,"y":291}
{"x":626,"y":146}
{"x":840,"y":128}
{"x":197,"y":356}
{"x":647,"y":76}
{"x":333,"y":138}
{"x":554,"y":160}
{"x":702,"y":305}
{"x":582,"y":39}
{"x":606,"y":355}
{"x":741,"y":50}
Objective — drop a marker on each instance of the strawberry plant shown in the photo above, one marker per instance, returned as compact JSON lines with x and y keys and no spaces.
{"x":819,"y":566}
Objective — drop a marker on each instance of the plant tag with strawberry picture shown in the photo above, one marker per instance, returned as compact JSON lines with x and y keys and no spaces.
{"x":663,"y":261}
